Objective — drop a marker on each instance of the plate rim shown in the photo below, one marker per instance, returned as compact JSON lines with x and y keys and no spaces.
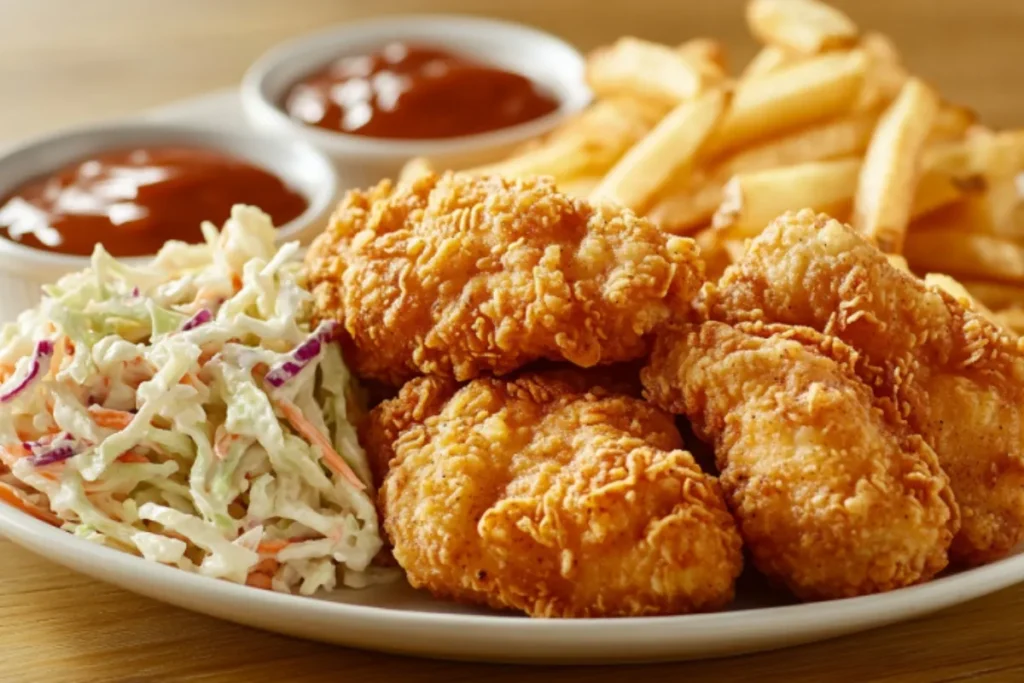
{"x":831,"y":618}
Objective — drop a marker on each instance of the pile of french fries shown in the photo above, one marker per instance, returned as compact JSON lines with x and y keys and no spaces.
{"x":824,"y":117}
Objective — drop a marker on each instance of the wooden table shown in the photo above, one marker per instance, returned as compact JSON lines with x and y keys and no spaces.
{"x":65,"y":61}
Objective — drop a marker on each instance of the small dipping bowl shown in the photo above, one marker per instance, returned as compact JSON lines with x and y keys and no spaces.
{"x":548,"y":61}
{"x":23,"y":269}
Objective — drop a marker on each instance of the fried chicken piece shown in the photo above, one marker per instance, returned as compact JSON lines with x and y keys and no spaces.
{"x":417,"y":400}
{"x":954,"y":375}
{"x":834,"y":495}
{"x":529,"y":494}
{"x":460,"y":276}
{"x":423,"y":397}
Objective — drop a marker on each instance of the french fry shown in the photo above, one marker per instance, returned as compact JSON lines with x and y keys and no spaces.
{"x":888,"y":178}
{"x":709,"y":54}
{"x":992,"y":155}
{"x":803,"y":26}
{"x":734,"y":248}
{"x":770,"y":58}
{"x":563,"y":158}
{"x":897,"y":261}
{"x":670,"y":147}
{"x":951,"y":123}
{"x":830,"y":140}
{"x":1012,"y":319}
{"x":885,"y":74}
{"x":972,"y":255}
{"x":638,"y":68}
{"x":979,"y":169}
{"x":688,"y":208}
{"x":813,"y":90}
{"x":414,"y":169}
{"x":988,"y":212}
{"x":996,"y":295}
{"x":590,"y":144}
{"x":955,"y":289}
{"x":580,"y":187}
{"x":938,"y":190}
{"x":692,"y":206}
{"x":714,"y":252}
{"x":999,"y":204}
{"x":751,"y":200}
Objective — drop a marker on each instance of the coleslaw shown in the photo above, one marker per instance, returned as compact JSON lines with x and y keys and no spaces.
{"x":186,"y":412}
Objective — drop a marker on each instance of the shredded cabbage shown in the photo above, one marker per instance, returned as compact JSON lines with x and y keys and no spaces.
{"x":175,"y":418}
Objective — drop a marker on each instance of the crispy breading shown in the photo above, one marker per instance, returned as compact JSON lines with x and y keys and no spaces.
{"x":954,"y":375}
{"x":834,"y":495}
{"x":417,"y":400}
{"x":530,"y":494}
{"x":462,"y":276}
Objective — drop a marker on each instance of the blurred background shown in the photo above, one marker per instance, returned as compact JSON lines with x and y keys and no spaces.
{"x":120,"y":56}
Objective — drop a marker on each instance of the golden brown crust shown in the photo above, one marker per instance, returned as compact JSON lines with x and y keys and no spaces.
{"x":834,"y":495}
{"x":955,"y":376}
{"x":528,"y":494}
{"x":460,"y":276}
{"x":418,"y":399}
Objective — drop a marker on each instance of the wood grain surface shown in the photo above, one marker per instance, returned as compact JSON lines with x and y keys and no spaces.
{"x":63,"y":62}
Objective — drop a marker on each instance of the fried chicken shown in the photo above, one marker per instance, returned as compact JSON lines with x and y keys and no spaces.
{"x":538,"y":495}
{"x":417,"y":400}
{"x":833,"y":494}
{"x":954,"y":375}
{"x":460,"y":276}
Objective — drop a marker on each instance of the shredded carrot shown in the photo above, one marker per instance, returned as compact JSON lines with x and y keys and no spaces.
{"x":175,"y":534}
{"x":259,"y":371}
{"x":12,"y":453}
{"x":133,"y":456}
{"x":110,"y":418}
{"x":307,"y":430}
{"x":267,"y":565}
{"x":208,"y":351}
{"x":51,"y":431}
{"x":13,"y":497}
{"x":222,"y":444}
{"x":236,"y":281}
{"x":259,"y":580}
{"x":189,"y":380}
{"x":272,"y":547}
{"x":6,"y":370}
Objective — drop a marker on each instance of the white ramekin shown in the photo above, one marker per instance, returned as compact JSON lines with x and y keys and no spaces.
{"x":23,"y":269}
{"x":362,"y":161}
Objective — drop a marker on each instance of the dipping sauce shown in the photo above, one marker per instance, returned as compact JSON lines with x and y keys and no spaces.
{"x":415,"y":92}
{"x":134,"y":200}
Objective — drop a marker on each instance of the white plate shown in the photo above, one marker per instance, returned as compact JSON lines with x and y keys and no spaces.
{"x":398,"y":619}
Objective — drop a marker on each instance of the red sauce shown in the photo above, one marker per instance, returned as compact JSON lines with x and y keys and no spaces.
{"x":134,"y":200}
{"x":414,"y":92}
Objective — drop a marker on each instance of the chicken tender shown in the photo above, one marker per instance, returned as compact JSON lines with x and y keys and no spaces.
{"x":418,"y":399}
{"x":534,"y":495}
{"x":422,"y":397}
{"x":833,"y":494}
{"x":460,"y":276}
{"x":954,"y":375}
